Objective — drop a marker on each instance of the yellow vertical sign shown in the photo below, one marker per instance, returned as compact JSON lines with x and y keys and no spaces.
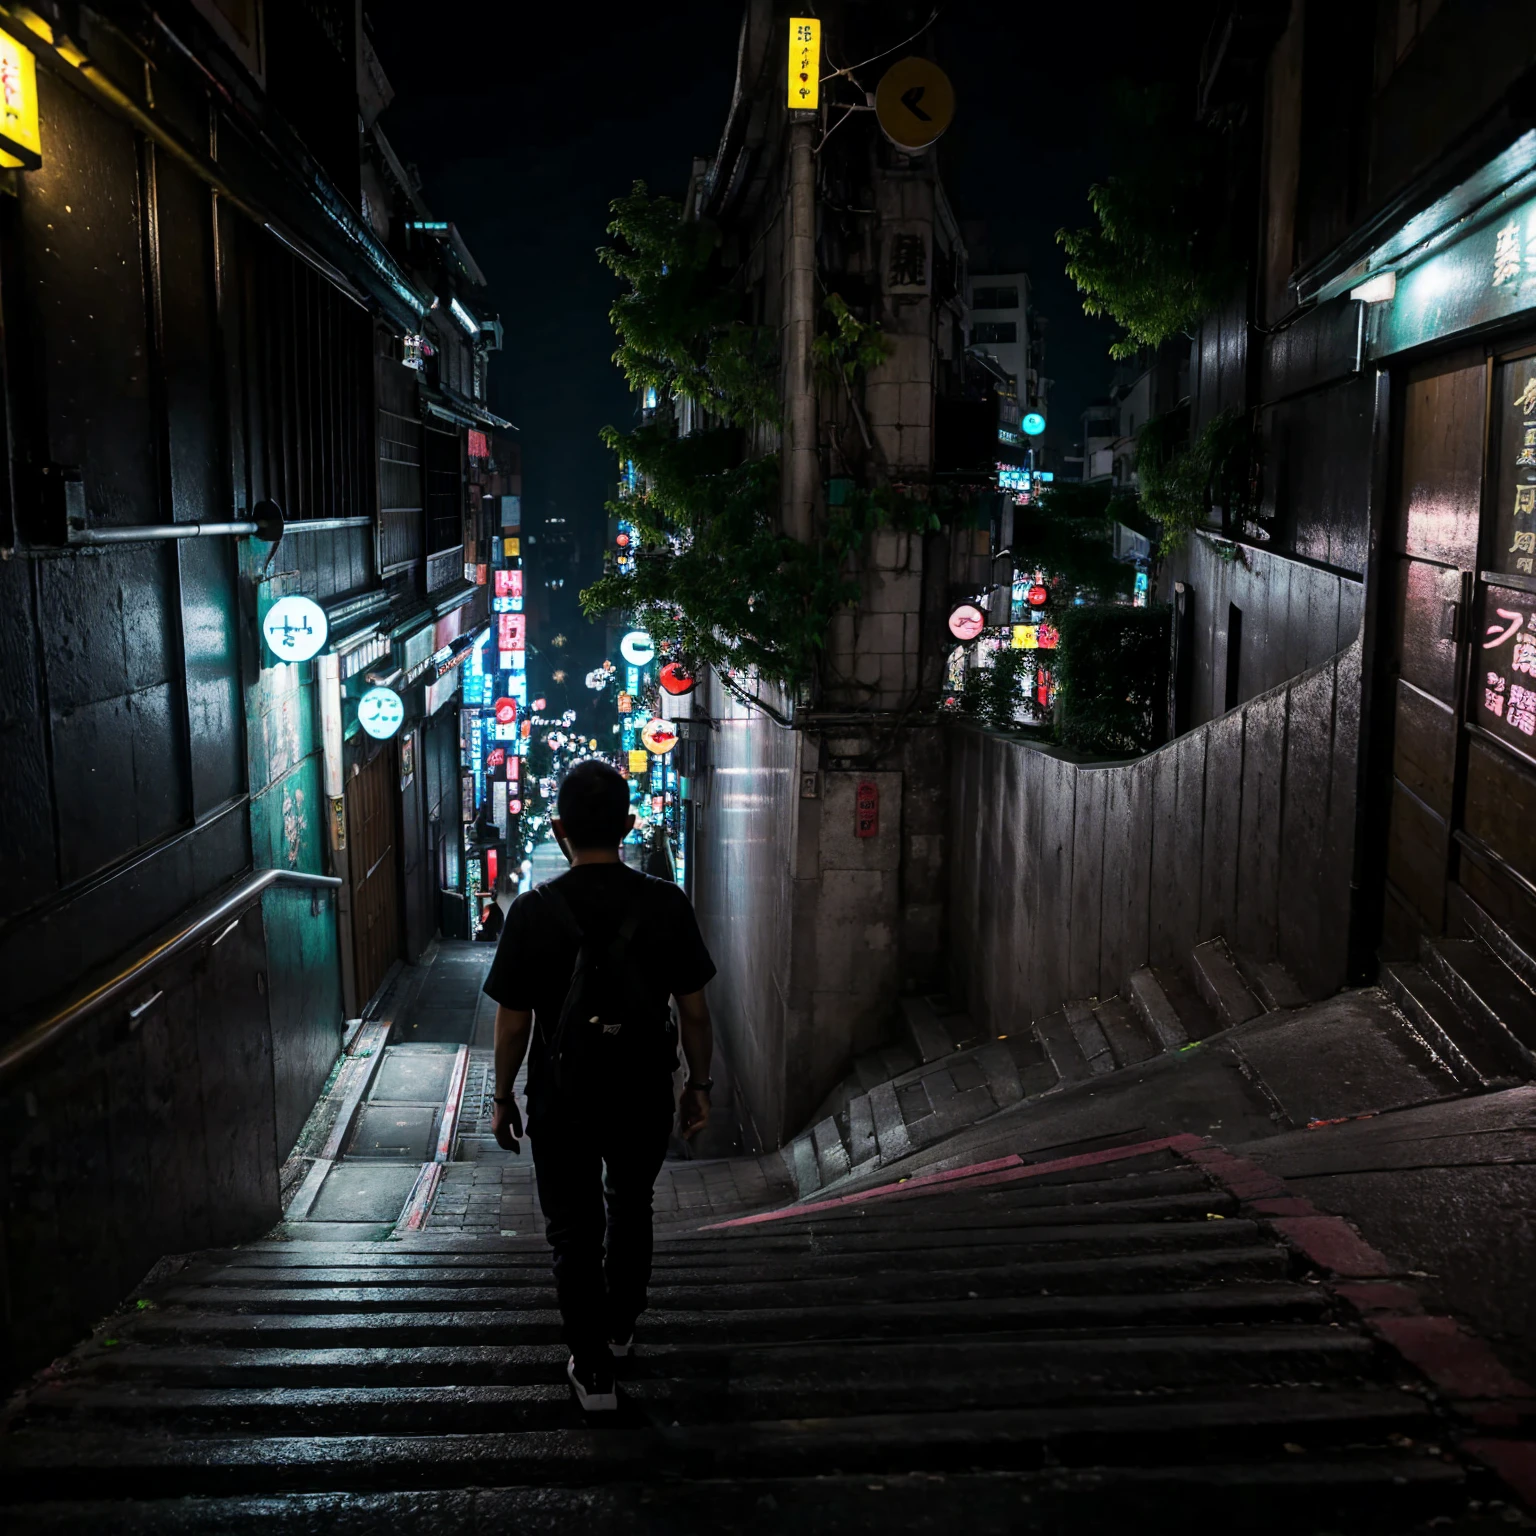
{"x":804,"y":63}
{"x":21,"y":145}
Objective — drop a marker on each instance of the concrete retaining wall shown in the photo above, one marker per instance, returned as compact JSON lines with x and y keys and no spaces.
{"x":1067,"y":877}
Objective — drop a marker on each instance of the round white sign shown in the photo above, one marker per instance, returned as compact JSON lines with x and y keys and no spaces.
{"x":381,"y":712}
{"x":637,"y":648}
{"x":295,"y":628}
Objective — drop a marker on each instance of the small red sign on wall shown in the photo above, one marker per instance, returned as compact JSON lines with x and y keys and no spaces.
{"x":866,"y":809}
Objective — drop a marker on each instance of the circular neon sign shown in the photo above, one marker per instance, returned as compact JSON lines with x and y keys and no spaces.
{"x":381,"y":712}
{"x":676,"y":678}
{"x":659,"y":736}
{"x":637,"y":648}
{"x":506,"y":711}
{"x":295,"y":628}
{"x":1038,"y":596}
{"x":1033,"y":423}
{"x":967,"y":621}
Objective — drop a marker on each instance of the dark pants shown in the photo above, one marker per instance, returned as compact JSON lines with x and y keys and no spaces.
{"x":602,"y":1258}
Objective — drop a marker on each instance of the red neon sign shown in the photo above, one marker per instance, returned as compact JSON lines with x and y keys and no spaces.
{"x":866,"y":809}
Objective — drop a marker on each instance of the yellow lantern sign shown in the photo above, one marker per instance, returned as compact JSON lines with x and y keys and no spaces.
{"x":21,"y":143}
{"x":639,"y":762}
{"x":804,"y":63}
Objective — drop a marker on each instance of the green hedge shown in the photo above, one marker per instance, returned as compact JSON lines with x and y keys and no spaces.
{"x":1111,"y":678}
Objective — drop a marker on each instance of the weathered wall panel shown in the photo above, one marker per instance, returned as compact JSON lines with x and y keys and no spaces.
{"x":1243,"y":827}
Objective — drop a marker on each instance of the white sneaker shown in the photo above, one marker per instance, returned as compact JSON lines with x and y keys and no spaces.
{"x":595,"y":1389}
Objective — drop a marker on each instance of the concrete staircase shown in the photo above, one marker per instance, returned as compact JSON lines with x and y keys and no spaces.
{"x":1469,"y":1007}
{"x":1087,"y":1344}
{"x":1472,"y":997}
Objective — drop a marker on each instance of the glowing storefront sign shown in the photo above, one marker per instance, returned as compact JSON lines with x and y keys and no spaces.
{"x":967,"y":621}
{"x":21,"y":143}
{"x":380,"y":712}
{"x":637,"y":648}
{"x":295,"y":628}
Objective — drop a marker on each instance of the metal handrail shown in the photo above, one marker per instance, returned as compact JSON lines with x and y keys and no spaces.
{"x":18,"y":1052}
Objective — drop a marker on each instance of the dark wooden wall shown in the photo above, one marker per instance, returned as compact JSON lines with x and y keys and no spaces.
{"x":143,"y":1136}
{"x":1068,"y":877}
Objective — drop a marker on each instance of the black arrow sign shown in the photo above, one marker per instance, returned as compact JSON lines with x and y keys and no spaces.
{"x":910,"y":99}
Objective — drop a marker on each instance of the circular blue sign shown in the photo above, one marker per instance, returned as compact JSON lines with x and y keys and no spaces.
{"x":381,"y":712}
{"x":1033,"y":423}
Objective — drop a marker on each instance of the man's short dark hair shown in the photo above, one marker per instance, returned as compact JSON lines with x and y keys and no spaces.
{"x":594,"y":805}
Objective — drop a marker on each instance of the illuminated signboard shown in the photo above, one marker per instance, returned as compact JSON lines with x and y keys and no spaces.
{"x":509,"y":582}
{"x":639,"y":761}
{"x":1034,"y":637}
{"x":659,"y":736}
{"x":295,"y":628}
{"x":804,"y":72}
{"x":1012,"y":477}
{"x":677,"y":680}
{"x":1033,"y":423}
{"x":967,"y":621}
{"x":380,"y":712}
{"x":637,"y":648}
{"x":479,"y":447}
{"x":21,"y":143}
{"x":511,"y":631}
{"x":506,"y":711}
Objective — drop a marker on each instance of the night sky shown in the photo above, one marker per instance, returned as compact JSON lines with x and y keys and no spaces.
{"x":525,"y":121}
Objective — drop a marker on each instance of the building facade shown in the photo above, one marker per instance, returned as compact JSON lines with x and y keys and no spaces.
{"x":234,"y":380}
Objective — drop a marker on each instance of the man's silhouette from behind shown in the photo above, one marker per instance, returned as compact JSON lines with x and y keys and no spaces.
{"x":599,"y":1087}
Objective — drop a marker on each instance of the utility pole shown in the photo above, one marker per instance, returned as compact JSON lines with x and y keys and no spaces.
{"x":801,"y":463}
{"x":799,"y":460}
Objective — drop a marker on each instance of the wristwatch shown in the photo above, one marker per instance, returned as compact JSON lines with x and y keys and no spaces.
{"x":703,"y":1087}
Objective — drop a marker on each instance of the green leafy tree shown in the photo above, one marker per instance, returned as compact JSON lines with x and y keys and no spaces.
{"x":1159,"y":255}
{"x":1069,"y":534}
{"x":1111,"y":676}
{"x":713,"y":575}
{"x":1180,"y":479}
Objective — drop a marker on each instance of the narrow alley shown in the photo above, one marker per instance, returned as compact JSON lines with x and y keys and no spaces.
{"x":767,"y":768}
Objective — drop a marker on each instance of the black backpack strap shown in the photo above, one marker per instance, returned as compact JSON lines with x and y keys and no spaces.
{"x":560,"y":910}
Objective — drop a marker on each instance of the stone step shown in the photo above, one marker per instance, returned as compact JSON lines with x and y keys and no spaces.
{"x":1059,"y":1042}
{"x":1156,"y":1011}
{"x":1149,"y":1432}
{"x":1113,"y":1272}
{"x":1388,"y":1492}
{"x":1267,"y":1302}
{"x":1491,"y":995}
{"x":1115,"y":1359}
{"x":1480,"y":924}
{"x":737,"y":1386}
{"x":1090,"y":1037}
{"x":1444,"y":1028}
{"x":925,"y":1030}
{"x":1222,"y":985}
{"x":1271,"y":983}
{"x":1123,"y":1029}
{"x":249,"y":1288}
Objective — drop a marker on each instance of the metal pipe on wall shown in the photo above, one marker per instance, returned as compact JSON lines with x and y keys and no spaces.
{"x":328,"y":686}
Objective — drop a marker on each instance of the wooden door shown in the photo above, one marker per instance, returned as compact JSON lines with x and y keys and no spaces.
{"x":1496,"y":833}
{"x":1429,"y":564}
{"x":373,"y":841}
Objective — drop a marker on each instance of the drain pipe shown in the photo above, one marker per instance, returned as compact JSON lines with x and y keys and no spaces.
{"x":328,"y":681}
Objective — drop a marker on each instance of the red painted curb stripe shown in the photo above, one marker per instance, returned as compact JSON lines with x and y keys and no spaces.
{"x":1003,"y":1170}
{"x":449,"y":1129}
{"x":1513,"y":1460}
{"x":1458,"y":1362}
{"x":414,"y":1217}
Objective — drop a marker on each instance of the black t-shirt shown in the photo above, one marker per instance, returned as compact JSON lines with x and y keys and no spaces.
{"x":536,"y":956}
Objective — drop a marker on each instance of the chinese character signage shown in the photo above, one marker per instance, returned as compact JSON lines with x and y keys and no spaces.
{"x":804,"y":84}
{"x":1514,"y":396}
{"x":866,"y":809}
{"x":21,"y":144}
{"x":1504,"y":687}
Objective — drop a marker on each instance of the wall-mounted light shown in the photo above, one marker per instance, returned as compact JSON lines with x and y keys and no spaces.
{"x":1380,"y":289}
